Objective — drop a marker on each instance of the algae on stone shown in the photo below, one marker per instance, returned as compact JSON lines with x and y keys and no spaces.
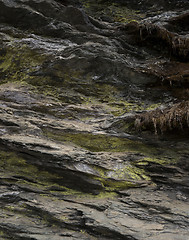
{"x":108,"y":11}
{"x":29,"y":175}
{"x":100,"y":142}
{"x":18,"y":62}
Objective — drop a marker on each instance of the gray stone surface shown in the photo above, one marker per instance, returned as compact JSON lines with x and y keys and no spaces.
{"x":71,"y":165}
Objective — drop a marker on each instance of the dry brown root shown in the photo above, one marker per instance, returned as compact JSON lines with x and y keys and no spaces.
{"x":167,"y":120}
{"x":170,"y":41}
{"x":157,"y":34}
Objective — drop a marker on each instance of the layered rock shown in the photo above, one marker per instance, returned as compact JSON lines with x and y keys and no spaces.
{"x":71,"y":164}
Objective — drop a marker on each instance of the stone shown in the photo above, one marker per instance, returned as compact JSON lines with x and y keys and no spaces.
{"x":72,"y":165}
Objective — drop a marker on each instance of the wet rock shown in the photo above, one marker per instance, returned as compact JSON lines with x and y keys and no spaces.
{"x":152,"y":5}
{"x":72,"y":167}
{"x":20,"y":15}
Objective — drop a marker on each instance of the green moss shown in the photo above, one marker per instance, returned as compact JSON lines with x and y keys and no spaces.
{"x":121,"y":107}
{"x":4,"y":235}
{"x":10,"y":162}
{"x":153,"y":106}
{"x":101,"y":195}
{"x":29,"y":176}
{"x":103,"y":172}
{"x":30,"y":215}
{"x":123,"y":175}
{"x":101,"y":142}
{"x":17,"y":63}
{"x":114,"y":185}
{"x":130,"y":172}
{"x":121,"y":178}
{"x":111,"y":11}
{"x":20,"y":64}
{"x":109,"y":98}
{"x":161,"y":160}
{"x":122,"y":172}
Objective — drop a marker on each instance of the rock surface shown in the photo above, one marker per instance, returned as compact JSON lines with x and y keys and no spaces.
{"x":72,"y":83}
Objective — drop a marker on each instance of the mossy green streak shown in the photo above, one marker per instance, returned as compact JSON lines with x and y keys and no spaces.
{"x":101,"y":142}
{"x":113,"y":11}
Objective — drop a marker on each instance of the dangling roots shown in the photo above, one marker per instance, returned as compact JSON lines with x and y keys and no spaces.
{"x":167,"y":120}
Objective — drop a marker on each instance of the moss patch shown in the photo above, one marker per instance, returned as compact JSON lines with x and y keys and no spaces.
{"x":122,"y":173}
{"x":29,"y":176}
{"x":106,"y":10}
{"x":122,"y":177}
{"x":100,"y":142}
{"x":129,"y":172}
{"x":18,"y":62}
{"x":105,"y":143}
{"x":12,"y":163}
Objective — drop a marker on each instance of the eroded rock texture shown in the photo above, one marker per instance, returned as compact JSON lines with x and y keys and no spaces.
{"x":76,"y":82}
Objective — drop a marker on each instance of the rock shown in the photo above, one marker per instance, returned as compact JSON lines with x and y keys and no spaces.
{"x":72,"y":167}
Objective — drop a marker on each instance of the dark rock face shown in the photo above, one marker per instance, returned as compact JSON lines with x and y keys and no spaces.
{"x":72,"y":88}
{"x":154,"y":5}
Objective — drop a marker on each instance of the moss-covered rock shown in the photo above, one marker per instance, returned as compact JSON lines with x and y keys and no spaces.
{"x":111,"y":11}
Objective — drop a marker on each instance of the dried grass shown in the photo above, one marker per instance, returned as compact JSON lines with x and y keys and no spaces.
{"x":157,"y":34}
{"x":178,"y":44}
{"x":167,"y":120}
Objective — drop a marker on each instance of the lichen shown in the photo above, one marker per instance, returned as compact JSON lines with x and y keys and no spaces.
{"x":23,"y":65}
{"x":123,"y":171}
{"x":122,"y":175}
